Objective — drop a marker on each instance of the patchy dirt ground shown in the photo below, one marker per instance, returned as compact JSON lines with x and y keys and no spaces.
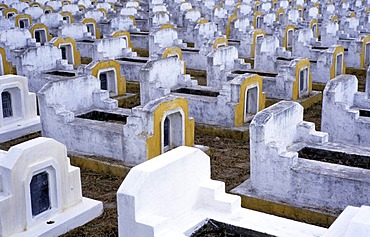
{"x":213,"y":228}
{"x":229,"y":163}
{"x":103,"y":188}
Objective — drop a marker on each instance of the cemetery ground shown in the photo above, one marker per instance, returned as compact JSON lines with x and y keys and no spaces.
{"x":229,"y":163}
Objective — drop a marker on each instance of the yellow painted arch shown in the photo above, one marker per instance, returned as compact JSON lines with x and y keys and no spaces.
{"x":153,"y":143}
{"x":82,"y":7}
{"x":365,"y":40}
{"x":92,"y":21}
{"x":278,"y":12}
{"x":317,"y":5}
{"x":126,"y":34}
{"x":22,"y":16}
{"x":45,"y":8}
{"x":76,"y":54}
{"x":255,"y":16}
{"x":219,"y":42}
{"x":228,"y":27}
{"x":335,"y":18}
{"x":35,"y":4}
{"x":256,"y":4}
{"x":236,"y":8}
{"x":256,"y":33}
{"x":170,"y":51}
{"x":238,"y":4}
{"x":67,"y":14}
{"x":239,"y":108}
{"x":299,"y":66}
{"x":4,"y":6}
{"x":7,"y":66}
{"x":338,"y":50}
{"x":133,"y":20}
{"x":202,"y":21}
{"x":66,"y":2}
{"x":312,"y":23}
{"x":300,"y":8}
{"x":121,"y":80}
{"x":104,"y":11}
{"x":38,"y":26}
{"x":9,"y":10}
{"x":166,"y":26}
{"x":174,"y":50}
{"x":285,"y":41}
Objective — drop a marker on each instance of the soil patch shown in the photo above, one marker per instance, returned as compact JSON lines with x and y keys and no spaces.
{"x":214,"y":228}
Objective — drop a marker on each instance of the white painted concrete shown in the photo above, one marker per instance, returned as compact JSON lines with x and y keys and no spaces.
{"x":24,"y":119}
{"x":66,"y":208}
{"x":173,"y":194}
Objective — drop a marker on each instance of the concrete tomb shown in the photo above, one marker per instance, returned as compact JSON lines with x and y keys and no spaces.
{"x":292,"y":163}
{"x":345,"y":111}
{"x":41,"y":192}
{"x":173,"y":195}
{"x":77,"y":106}
{"x":231,"y":106}
{"x":18,"y":105}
